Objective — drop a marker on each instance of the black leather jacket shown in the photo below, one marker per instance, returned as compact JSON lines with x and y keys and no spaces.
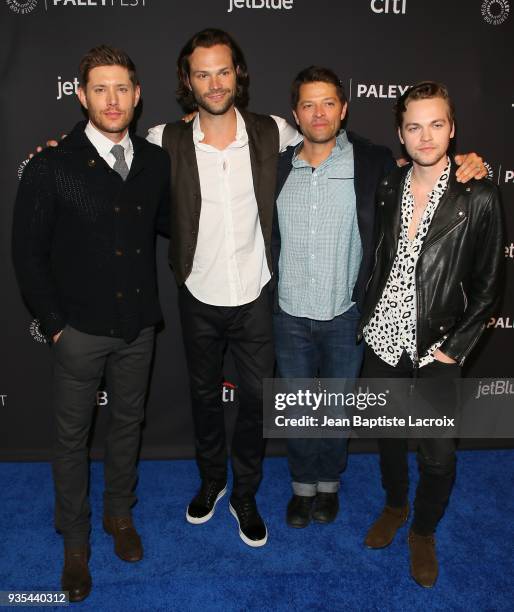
{"x":459,"y":269}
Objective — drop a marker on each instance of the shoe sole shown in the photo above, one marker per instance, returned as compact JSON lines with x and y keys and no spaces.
{"x":194,"y":520}
{"x":252,"y":543}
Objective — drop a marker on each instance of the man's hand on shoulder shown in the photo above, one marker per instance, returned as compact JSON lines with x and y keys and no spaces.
{"x":49,"y":143}
{"x":470,"y":166}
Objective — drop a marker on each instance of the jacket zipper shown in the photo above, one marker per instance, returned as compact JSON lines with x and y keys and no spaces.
{"x":471,"y":346}
{"x":464,"y":296}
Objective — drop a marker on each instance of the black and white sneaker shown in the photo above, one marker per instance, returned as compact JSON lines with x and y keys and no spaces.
{"x":252,"y":529}
{"x":203,"y":504}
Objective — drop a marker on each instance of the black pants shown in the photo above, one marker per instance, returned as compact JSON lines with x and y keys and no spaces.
{"x":79,"y":363}
{"x":247,"y":330}
{"x":436,"y":456}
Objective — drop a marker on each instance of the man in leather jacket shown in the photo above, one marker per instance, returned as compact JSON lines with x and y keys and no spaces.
{"x":436,"y":279}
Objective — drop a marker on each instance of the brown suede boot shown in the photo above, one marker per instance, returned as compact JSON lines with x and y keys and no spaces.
{"x":383,"y":530}
{"x":76,"y":578}
{"x":423,"y":560}
{"x":127,"y":543}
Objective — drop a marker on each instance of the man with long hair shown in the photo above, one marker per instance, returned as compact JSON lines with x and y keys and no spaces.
{"x":223,"y":175}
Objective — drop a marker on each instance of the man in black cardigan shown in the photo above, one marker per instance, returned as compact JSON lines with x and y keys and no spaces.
{"x":84,"y":230}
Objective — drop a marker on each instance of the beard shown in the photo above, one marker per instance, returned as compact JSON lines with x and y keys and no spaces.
{"x":212,"y":107}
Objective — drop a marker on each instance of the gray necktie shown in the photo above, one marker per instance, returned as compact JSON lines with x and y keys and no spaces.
{"x":120,"y":165}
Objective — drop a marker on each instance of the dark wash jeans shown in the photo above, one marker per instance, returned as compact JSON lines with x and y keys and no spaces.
{"x":436,"y":456}
{"x":247,"y":330}
{"x":80,"y":361}
{"x":308,"y":348}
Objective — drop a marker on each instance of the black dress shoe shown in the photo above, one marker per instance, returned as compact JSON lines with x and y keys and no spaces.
{"x":252,"y":529}
{"x":203,"y":504}
{"x":299,"y":511}
{"x":76,"y":578}
{"x":325,"y":507}
{"x":127,"y":543}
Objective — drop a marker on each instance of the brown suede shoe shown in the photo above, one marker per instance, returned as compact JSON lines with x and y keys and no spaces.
{"x":423,"y":561}
{"x":383,"y":530}
{"x":76,"y":578}
{"x":127,"y":543}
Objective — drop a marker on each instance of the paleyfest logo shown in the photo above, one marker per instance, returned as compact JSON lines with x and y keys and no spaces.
{"x":22,"y":7}
{"x":500,"y":323}
{"x":490,"y":171}
{"x":495,"y":12}
{"x":21,"y":168}
{"x":260,"y":4}
{"x":36,"y":333}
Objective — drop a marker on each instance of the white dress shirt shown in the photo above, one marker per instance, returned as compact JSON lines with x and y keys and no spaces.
{"x":229,"y":265}
{"x":104,"y":145}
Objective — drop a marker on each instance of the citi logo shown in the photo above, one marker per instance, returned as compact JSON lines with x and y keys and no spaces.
{"x":21,"y":7}
{"x":260,"y":4}
{"x":500,"y":323}
{"x":373,"y":90}
{"x":509,"y":251}
{"x":397,"y":7}
{"x":228,"y":392}
{"x":495,"y":12}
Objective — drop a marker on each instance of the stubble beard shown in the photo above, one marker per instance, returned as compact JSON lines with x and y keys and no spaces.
{"x":216,"y":110}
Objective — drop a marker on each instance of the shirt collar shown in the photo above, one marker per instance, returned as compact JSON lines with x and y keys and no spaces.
{"x":241,"y":134}
{"x":440,"y":185}
{"x":342,"y":143}
{"x":103,"y":144}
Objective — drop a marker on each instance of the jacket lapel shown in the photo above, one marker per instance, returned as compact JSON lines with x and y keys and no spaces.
{"x":447,"y":214}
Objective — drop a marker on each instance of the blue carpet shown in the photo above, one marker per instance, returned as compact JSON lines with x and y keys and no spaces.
{"x":207,"y":567}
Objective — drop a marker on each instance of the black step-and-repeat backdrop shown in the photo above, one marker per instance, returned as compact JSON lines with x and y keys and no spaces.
{"x":378,"y":47}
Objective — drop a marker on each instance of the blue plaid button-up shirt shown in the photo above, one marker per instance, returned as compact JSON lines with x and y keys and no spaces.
{"x":321,"y":249}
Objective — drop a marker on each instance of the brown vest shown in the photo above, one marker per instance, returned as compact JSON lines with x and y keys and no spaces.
{"x":186,"y":197}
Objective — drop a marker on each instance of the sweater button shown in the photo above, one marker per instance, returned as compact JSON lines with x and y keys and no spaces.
{"x":138,"y":208}
{"x":441,"y":328}
{"x":138,"y":290}
{"x":138,"y":251}
{"x":118,"y":252}
{"x":116,"y":209}
{"x":91,"y":163}
{"x":119,"y":295}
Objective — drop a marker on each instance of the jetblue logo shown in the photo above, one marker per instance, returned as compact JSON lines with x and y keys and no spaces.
{"x":260,"y":4}
{"x":66,"y":88}
{"x":396,"y":7}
